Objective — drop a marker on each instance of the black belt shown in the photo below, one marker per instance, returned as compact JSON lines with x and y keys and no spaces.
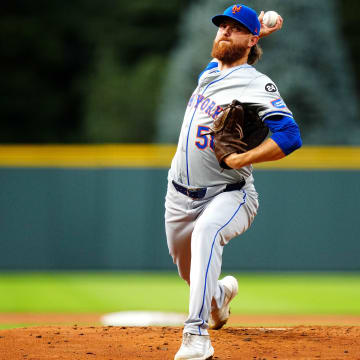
{"x":199,"y":193}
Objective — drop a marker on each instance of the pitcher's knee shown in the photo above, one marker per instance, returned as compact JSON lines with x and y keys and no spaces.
{"x":205,"y":232}
{"x":209,"y":233}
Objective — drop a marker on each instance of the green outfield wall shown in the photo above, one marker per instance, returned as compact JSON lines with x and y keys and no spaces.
{"x":111,"y":217}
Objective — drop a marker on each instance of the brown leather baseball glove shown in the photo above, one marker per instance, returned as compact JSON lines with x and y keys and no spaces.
{"x":237,"y":130}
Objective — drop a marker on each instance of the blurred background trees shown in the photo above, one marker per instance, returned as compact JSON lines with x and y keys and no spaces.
{"x":93,"y":71}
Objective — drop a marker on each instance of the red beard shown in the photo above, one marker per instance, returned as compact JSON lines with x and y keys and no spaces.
{"x":227,"y":52}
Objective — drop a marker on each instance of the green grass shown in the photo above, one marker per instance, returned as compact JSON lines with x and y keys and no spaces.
{"x":101,"y":292}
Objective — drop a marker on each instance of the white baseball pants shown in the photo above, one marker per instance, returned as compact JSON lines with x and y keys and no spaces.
{"x":197,"y":231}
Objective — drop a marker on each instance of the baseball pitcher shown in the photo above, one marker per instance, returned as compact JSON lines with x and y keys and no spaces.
{"x":234,"y":118}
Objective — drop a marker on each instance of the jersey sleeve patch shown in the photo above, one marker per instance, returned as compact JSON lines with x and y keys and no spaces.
{"x":264,"y":97}
{"x":278,"y":103}
{"x":270,"y":87}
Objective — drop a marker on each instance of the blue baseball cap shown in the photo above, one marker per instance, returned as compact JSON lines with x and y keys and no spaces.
{"x":242,"y":14}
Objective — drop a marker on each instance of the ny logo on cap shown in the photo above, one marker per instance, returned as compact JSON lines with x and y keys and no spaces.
{"x":236,"y":9}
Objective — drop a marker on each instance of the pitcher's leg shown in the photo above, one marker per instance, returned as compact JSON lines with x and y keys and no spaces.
{"x":229,"y":214}
{"x":179,"y":225}
{"x":205,"y":265}
{"x":178,"y":234}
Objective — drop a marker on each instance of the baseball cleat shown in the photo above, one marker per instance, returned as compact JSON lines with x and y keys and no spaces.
{"x":195,"y":347}
{"x":219,"y":317}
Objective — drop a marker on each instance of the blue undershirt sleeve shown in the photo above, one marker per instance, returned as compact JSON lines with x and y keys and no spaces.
{"x":285,"y":132}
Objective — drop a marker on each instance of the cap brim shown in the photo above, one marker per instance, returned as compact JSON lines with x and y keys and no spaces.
{"x":218,"y":19}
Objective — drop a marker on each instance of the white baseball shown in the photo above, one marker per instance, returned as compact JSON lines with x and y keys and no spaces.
{"x":270,"y":18}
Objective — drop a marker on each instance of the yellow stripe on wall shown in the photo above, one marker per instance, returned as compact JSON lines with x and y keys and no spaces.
{"x":159,"y":156}
{"x":318,"y":157}
{"x":87,"y":155}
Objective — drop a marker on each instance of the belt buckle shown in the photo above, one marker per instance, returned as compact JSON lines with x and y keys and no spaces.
{"x":190,"y":193}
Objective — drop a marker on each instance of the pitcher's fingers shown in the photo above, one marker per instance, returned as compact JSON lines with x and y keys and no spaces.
{"x":261,"y":16}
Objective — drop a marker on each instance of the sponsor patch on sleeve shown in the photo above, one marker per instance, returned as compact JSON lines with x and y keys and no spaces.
{"x":278,"y":103}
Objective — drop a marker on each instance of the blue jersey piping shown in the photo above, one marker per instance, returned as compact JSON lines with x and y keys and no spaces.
{"x":276,"y":112}
{"x":210,"y":66}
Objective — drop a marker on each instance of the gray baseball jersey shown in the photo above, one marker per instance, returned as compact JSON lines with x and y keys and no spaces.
{"x":195,"y":164}
{"x":198,"y":229}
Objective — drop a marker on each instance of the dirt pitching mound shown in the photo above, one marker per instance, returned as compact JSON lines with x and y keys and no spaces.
{"x":112,"y":343}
